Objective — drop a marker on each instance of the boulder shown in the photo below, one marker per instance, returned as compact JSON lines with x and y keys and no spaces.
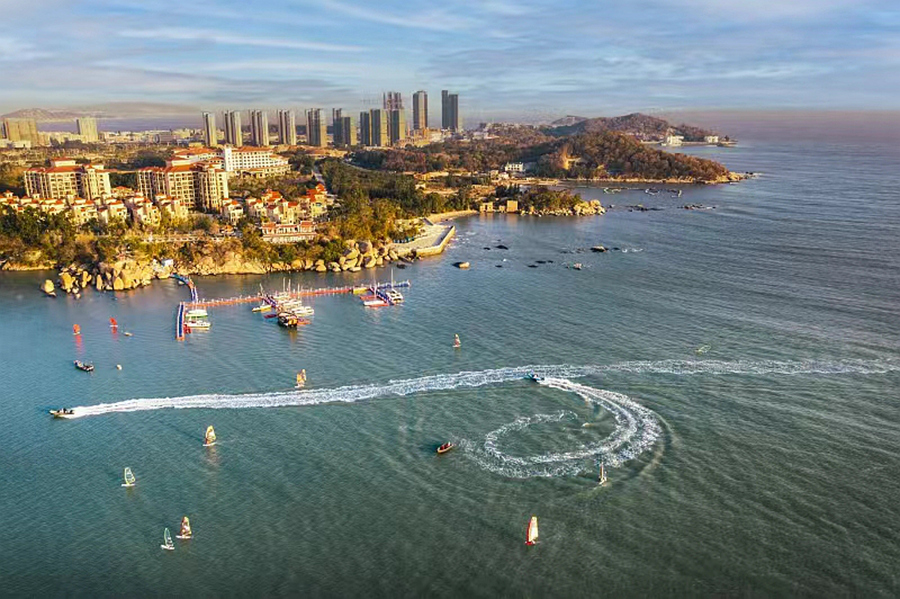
{"x":66,"y":281}
{"x":308,"y":264}
{"x":365,"y":247}
{"x":84,"y":279}
{"x":334,"y":266}
{"x":321,"y":267}
{"x":351,"y":253}
{"x":47,"y":287}
{"x":118,"y":284}
{"x":368,"y":262}
{"x":379,"y":261}
{"x":598,"y":248}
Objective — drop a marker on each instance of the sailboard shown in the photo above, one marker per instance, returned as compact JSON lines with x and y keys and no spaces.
{"x":456,"y":341}
{"x":168,"y":545}
{"x":113,"y":324}
{"x":602,"y":478}
{"x":129,"y":478}
{"x":210,"y":438}
{"x":301,"y":379}
{"x":76,"y":330}
{"x":531,"y":536}
{"x":185,"y":532}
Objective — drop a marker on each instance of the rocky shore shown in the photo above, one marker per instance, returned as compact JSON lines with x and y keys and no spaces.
{"x":129,"y":273}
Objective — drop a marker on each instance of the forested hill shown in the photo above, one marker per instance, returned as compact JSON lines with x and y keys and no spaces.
{"x":587,"y":155}
{"x":639,"y":125}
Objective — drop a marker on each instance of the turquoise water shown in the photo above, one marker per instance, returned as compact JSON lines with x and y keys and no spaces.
{"x":768,"y":465}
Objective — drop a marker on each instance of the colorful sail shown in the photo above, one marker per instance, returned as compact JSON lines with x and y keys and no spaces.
{"x":531,"y":536}
{"x":113,"y":323}
{"x":129,"y":478}
{"x":210,"y":438}
{"x":456,"y":341}
{"x":76,"y":330}
{"x":185,"y":532}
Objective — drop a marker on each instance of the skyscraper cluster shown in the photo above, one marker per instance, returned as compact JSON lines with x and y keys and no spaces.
{"x":383,"y":126}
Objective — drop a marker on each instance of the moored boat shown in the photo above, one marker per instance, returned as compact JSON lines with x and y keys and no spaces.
{"x":85,"y":366}
{"x":372,"y":300}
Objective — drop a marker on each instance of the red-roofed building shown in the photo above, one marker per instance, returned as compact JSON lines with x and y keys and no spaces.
{"x":202,"y":185}
{"x":65,"y":177}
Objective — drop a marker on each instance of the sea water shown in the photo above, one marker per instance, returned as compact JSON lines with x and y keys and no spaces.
{"x":766,"y":464}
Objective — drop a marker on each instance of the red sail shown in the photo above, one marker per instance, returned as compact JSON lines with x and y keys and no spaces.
{"x":113,"y":323}
{"x":76,"y":330}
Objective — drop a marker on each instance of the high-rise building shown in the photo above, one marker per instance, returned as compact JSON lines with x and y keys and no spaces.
{"x":201,"y":184}
{"x":348,"y":127}
{"x":420,"y":110}
{"x":392,"y":101}
{"x":365,"y":129}
{"x":396,"y":125}
{"x":316,"y":128}
{"x":287,"y":127}
{"x":343,"y":129}
{"x":445,"y":109}
{"x":22,"y":130}
{"x":233,"y":133}
{"x":450,"y":111}
{"x":87,"y":128}
{"x":378,"y":120}
{"x":259,"y":127}
{"x":210,"y":133}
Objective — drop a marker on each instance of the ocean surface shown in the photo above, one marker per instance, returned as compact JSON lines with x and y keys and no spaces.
{"x":765,"y":464}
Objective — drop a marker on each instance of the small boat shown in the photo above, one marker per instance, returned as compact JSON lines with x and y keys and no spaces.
{"x":462,"y":265}
{"x":85,"y":366}
{"x":360,"y":289}
{"x":127,"y":334}
{"x":373,"y":301}
{"x":456,"y":342}
{"x":577,"y":266}
{"x":196,"y":313}
{"x":185,"y":532}
{"x":301,"y":379}
{"x":168,"y":545}
{"x":531,"y":535}
{"x":445,"y":447}
{"x":531,"y":376}
{"x":702,"y":349}
{"x":210,"y":438}
{"x":76,"y":330}
{"x":264,"y":307}
{"x":63,"y":413}
{"x":602,"y":478}
{"x":113,"y":324}
{"x":197,"y":324}
{"x":129,"y":478}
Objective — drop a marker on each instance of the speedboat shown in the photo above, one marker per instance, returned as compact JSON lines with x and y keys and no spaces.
{"x":445,"y":447}
{"x":84,"y":366}
{"x":534,"y":377}
{"x":63,"y":413}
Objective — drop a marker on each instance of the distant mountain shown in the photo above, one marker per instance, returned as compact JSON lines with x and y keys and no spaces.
{"x":568,"y":121}
{"x":639,"y":125}
{"x":109,"y":110}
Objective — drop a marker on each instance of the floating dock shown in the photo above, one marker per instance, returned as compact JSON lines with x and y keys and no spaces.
{"x":249,"y":299}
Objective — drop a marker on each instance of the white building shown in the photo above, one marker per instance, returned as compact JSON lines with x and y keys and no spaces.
{"x":253,"y":162}
{"x":674,"y":140}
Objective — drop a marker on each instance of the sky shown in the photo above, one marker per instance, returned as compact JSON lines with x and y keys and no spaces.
{"x":508,"y":60}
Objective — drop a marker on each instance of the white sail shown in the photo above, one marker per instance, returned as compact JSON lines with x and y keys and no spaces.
{"x":532,"y":536}
{"x":129,"y":478}
{"x":167,"y":541}
{"x":602,"y":478}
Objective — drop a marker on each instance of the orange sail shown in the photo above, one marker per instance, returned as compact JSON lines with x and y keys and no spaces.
{"x":76,"y":330}
{"x":113,"y":323}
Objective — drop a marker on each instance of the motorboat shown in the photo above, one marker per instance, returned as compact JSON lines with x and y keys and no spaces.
{"x":85,"y":366}
{"x":63,"y":413}
{"x":445,"y":447}
{"x":534,"y":377}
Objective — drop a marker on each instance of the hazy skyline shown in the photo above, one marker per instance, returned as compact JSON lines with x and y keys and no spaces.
{"x":531,"y":59}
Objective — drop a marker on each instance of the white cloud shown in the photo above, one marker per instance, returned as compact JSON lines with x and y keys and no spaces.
{"x":437,"y":20}
{"x":233,"y":39}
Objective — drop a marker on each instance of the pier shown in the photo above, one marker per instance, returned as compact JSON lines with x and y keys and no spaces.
{"x":195,"y":302}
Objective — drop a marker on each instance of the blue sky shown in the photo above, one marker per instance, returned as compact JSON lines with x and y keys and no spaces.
{"x":528,"y":59}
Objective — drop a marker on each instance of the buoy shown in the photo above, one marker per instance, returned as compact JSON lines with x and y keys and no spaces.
{"x":118,"y":367}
